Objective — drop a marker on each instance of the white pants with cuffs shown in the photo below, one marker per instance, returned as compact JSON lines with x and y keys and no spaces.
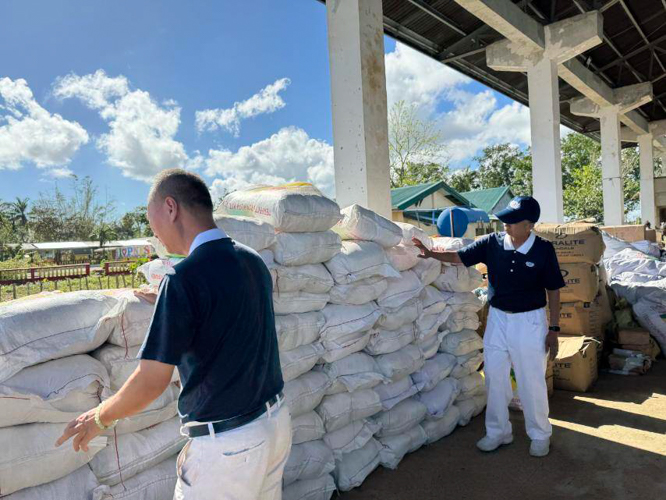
{"x":518,"y":339}
{"x":241,"y":464}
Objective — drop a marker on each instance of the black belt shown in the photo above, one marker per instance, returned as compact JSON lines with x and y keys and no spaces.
{"x":231,"y":423}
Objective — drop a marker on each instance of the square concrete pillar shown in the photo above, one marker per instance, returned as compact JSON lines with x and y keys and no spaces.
{"x":611,"y":167}
{"x":648,"y":206}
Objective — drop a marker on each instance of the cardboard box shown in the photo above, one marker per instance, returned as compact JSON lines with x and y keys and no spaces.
{"x":629,"y":233}
{"x":575,"y":242}
{"x":582,"y":281}
{"x":651,"y":349}
{"x":634,"y":336}
{"x":651,"y":235}
{"x":576,"y":367}
{"x":585,"y":318}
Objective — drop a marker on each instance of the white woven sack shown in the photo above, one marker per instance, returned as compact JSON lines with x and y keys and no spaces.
{"x":304,"y":394}
{"x":251,"y":232}
{"x":355,"y":467}
{"x":295,"y":330}
{"x":458,"y":278}
{"x":430,"y":345}
{"x":651,"y":311}
{"x":359,"y":260}
{"x":307,"y":427}
{"x":434,"y":371}
{"x":342,"y":320}
{"x":157,"y":483}
{"x":321,"y":488}
{"x":301,"y":360}
{"x":55,"y":391}
{"x":395,"y":392}
{"x":400,"y":418}
{"x":359,"y":223}
{"x":269,"y":260}
{"x":128,"y":320}
{"x":29,"y":456}
{"x":403,"y":257}
{"x":440,"y":398}
{"x":450,"y":244}
{"x":463,"y":301}
{"x":77,"y":485}
{"x":351,"y":437}
{"x":394,"y":448}
{"x":342,"y":409}
{"x":341,"y":346}
{"x":467,"y":364}
{"x":402,"y":363}
{"x":162,"y":409}
{"x":461,"y":343}
{"x":470,"y":386}
{"x":400,"y":290}
{"x":291,"y":208}
{"x":308,"y":461}
{"x":360,"y":292}
{"x":311,"y":278}
{"x":470,"y":408}
{"x":394,"y":317}
{"x":352,"y":373}
{"x":298,"y":302}
{"x":432,"y":300}
{"x":427,"y":326}
{"x":298,"y":249}
{"x":428,"y":270}
{"x":387,"y":341}
{"x":462,"y":320}
{"x":49,"y":327}
{"x":440,"y":428}
{"x":410,"y":231}
{"x":130,"y":454}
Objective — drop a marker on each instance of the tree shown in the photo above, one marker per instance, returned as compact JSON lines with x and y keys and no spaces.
{"x":18,"y":212}
{"x":505,"y":165}
{"x":416,"y":151}
{"x":133,"y":224}
{"x":463,"y":180}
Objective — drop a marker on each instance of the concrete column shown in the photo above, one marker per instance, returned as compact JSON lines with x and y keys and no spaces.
{"x":545,"y":132}
{"x":358,"y":88}
{"x":611,"y":167}
{"x":648,"y":206}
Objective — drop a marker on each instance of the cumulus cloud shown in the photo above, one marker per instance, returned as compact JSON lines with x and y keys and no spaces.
{"x":30,"y":134}
{"x":141,"y":138}
{"x":267,"y":100}
{"x":289,"y":155}
{"x":59,"y":173}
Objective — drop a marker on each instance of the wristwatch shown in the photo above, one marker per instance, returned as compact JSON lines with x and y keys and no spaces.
{"x":554,"y":328}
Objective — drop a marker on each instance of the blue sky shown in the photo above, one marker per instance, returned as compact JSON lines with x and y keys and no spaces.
{"x":113,"y":90}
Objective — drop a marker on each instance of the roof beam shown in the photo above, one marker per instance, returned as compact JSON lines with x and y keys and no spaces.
{"x":437,"y":15}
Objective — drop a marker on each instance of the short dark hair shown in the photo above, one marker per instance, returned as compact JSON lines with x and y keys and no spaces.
{"x":187,"y":188}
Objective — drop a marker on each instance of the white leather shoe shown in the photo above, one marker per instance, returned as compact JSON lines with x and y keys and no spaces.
{"x":540,"y":447}
{"x":491,"y":444}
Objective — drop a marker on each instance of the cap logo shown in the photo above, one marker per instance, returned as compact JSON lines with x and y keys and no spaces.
{"x":515,"y":204}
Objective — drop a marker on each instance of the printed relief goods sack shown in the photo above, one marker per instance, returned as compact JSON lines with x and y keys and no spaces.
{"x":574,"y":242}
{"x":351,"y":437}
{"x":55,"y":391}
{"x":582,"y":282}
{"x":156,"y":483}
{"x":359,"y":260}
{"x":251,"y":232}
{"x":394,"y":448}
{"x":352,"y":469}
{"x":400,"y":418}
{"x":304,"y":394}
{"x":130,"y":454}
{"x":359,"y":223}
{"x":440,"y":428}
{"x":36,"y":330}
{"x":308,"y":461}
{"x":307,"y":427}
{"x":342,"y":409}
{"x":29,"y":456}
{"x":291,"y":208}
{"x":299,"y":249}
{"x":295,"y":330}
{"x":410,"y":231}
{"x":321,"y":488}
{"x":403,"y":257}
{"x":311,"y":278}
{"x":360,"y":292}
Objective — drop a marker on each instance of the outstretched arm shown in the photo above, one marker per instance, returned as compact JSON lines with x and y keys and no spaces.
{"x":444,"y":256}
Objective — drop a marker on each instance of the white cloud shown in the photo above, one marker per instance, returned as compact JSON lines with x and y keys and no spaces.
{"x":287,"y":156}
{"x":141,"y":139}
{"x":30,"y":134}
{"x":267,"y":100}
{"x":59,"y":173}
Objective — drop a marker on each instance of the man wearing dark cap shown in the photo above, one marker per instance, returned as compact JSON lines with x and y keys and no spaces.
{"x":522,"y":271}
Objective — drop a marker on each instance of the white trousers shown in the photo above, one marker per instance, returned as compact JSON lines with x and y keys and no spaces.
{"x":242,"y":464}
{"x":518,"y":339}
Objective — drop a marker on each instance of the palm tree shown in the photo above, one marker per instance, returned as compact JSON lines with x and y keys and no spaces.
{"x":18,"y":212}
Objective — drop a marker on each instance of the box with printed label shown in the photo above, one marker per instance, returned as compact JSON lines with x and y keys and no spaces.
{"x":630,"y":233}
{"x":575,"y":242}
{"x":576,"y":366}
{"x":582,"y":282}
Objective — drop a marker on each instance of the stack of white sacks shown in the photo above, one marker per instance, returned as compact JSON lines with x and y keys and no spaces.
{"x":378,"y":347}
{"x":60,"y":355}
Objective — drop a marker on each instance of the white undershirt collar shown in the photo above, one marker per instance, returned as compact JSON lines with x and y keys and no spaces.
{"x":205,"y":237}
{"x":524,"y":248}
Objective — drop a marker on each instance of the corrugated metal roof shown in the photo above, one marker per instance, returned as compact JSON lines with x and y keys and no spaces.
{"x":487,"y":199}
{"x":404,"y":197}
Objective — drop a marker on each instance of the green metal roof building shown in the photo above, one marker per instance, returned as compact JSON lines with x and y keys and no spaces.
{"x":490,"y":200}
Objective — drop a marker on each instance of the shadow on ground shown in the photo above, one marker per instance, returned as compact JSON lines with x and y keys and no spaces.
{"x":608,"y":444}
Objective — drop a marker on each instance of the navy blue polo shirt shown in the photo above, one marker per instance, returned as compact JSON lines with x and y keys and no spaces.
{"x":214,"y":320}
{"x":516,"y":282}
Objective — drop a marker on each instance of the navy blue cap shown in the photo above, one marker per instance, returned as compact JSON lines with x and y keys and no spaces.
{"x":519,"y":209}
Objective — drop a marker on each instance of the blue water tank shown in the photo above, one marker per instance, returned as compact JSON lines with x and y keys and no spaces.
{"x":452,"y":222}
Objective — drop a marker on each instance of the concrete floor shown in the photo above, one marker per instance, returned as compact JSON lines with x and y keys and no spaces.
{"x":607,"y":444}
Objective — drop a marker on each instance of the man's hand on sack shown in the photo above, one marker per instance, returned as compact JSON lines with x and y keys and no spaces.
{"x":148,"y":296}
{"x":425,"y":253}
{"x":83,"y":429}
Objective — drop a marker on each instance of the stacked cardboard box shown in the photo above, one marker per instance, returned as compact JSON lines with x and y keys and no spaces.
{"x":630,"y":233}
{"x":638,"y":340}
{"x":576,"y":367}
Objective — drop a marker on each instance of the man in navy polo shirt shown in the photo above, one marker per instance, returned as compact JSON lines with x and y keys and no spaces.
{"x":522,"y":271}
{"x":214,"y":320}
